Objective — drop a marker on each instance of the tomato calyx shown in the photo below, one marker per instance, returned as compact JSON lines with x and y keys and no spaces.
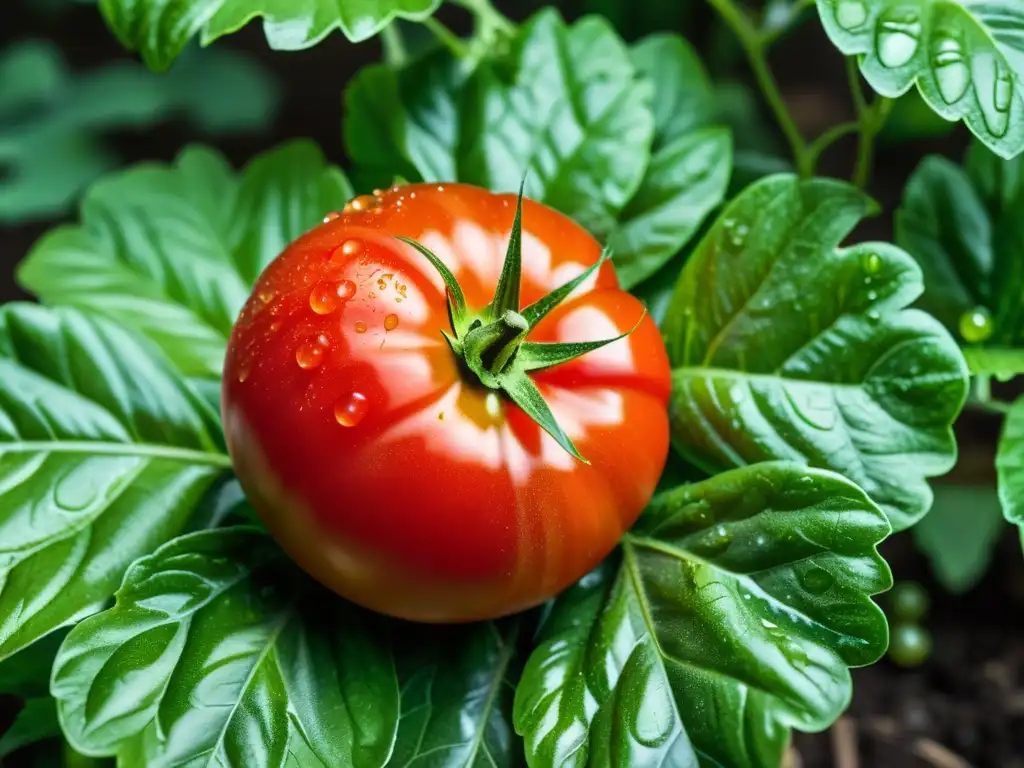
{"x":491,"y":342}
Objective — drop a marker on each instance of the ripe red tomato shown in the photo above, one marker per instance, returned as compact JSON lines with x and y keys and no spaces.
{"x":379,"y":460}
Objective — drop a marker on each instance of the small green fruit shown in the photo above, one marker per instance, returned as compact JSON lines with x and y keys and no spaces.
{"x":976,"y":325}
{"x":908,"y":602}
{"x":910,"y":645}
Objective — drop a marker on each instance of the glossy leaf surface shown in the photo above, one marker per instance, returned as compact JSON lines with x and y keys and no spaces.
{"x":173,"y":251}
{"x":219,"y":652}
{"x":786,"y":346}
{"x":160,"y":29}
{"x":1010,"y":465}
{"x":966,"y":57}
{"x":104,"y":455}
{"x":457,"y":691}
{"x":564,"y":108}
{"x":690,"y":164}
{"x":736,"y":609}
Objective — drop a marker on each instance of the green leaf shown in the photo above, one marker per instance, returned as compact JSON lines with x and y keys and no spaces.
{"x":967,"y":58}
{"x":49,"y":117}
{"x":1010,"y":465}
{"x":104,"y":455}
{"x":457,"y":691}
{"x":1001,"y":362}
{"x":965,"y":230}
{"x":739,"y":605}
{"x":690,"y":167}
{"x":26,"y":676}
{"x":786,"y":346}
{"x":160,"y":29}
{"x":219,"y":652}
{"x":564,"y":108}
{"x":960,"y":533}
{"x":173,"y":251}
{"x":943,"y":224}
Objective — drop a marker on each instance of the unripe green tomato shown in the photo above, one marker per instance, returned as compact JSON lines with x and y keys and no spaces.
{"x":908,"y":602}
{"x":976,"y":325}
{"x":910,"y":645}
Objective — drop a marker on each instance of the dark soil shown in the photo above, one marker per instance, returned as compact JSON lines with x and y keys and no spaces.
{"x":965,"y":705}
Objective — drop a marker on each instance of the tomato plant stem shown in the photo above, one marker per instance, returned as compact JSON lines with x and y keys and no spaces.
{"x":395,"y":52}
{"x":447,"y":38}
{"x":828,"y":138}
{"x":870,"y":118}
{"x":754,"y":45}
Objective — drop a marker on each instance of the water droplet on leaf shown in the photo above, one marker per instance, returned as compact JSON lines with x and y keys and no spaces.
{"x":872,"y":263}
{"x":899,"y":34}
{"x":950,"y":67}
{"x":816,"y":580}
{"x":851,"y":14}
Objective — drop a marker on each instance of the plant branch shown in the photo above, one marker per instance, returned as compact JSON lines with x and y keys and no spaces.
{"x":447,"y":38}
{"x":395,"y":52}
{"x":828,"y":138}
{"x":870,"y":118}
{"x":753,"y":44}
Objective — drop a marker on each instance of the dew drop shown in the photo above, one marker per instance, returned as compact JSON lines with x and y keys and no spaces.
{"x":331,"y":217}
{"x":872,"y":295}
{"x":360,"y":327}
{"x":898,"y":36}
{"x":717,"y":540}
{"x":346,"y":290}
{"x":275,"y":326}
{"x":310,"y":353}
{"x":80,"y":487}
{"x":265,"y":297}
{"x":816,"y":580}
{"x":362,"y":203}
{"x":390,"y":322}
{"x":351,"y":409}
{"x":243,"y":373}
{"x":347,"y":250}
{"x":950,"y":67}
{"x":323,"y":299}
{"x":851,"y":14}
{"x":872,"y":263}
{"x":873,"y":316}
{"x":976,"y":325}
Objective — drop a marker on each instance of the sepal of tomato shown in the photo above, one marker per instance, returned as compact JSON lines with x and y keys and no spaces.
{"x":442,"y":404}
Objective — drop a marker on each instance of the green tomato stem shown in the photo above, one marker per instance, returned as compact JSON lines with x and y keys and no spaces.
{"x":754,"y":45}
{"x":447,"y":38}
{"x":828,"y":138}
{"x":871,"y":119}
{"x":395,"y":52}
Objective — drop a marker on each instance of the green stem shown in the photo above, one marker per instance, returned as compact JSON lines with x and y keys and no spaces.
{"x":487,"y":16}
{"x":753,"y":45}
{"x":395,"y":51}
{"x":447,"y":38}
{"x":982,"y":386}
{"x":827,"y":139}
{"x":871,"y":118}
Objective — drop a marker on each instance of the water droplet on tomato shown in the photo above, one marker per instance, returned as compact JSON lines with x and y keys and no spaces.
{"x":351,"y":409}
{"x":360,"y":327}
{"x":243,"y":373}
{"x":275,"y":326}
{"x":390,"y":322}
{"x":310,"y":353}
{"x":362,"y":203}
{"x":346,"y":290}
{"x":347,"y":250}
{"x":265,"y":296}
{"x":331,"y":217}
{"x":324,"y":298}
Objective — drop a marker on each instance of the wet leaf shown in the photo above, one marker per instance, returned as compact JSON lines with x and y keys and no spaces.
{"x":172,"y":251}
{"x":786,"y":346}
{"x":160,"y":29}
{"x":735,"y":610}
{"x":104,"y":455}
{"x":966,"y":58}
{"x":219,"y":652}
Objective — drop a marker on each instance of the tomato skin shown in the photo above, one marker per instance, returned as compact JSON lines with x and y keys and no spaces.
{"x":382,"y":466}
